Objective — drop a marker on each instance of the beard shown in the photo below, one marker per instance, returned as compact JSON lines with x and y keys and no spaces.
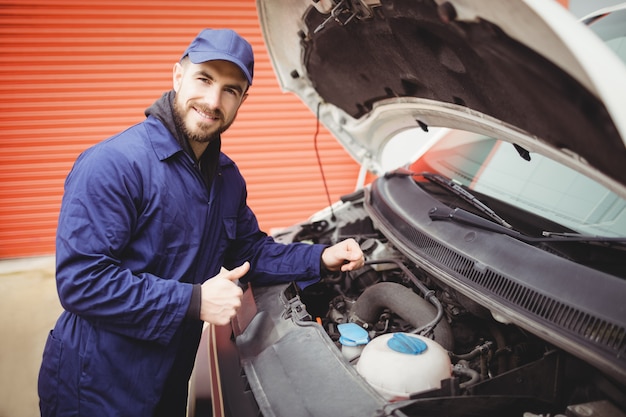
{"x":201,"y":132}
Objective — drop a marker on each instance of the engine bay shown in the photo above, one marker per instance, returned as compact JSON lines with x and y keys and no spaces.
{"x":496,"y":367}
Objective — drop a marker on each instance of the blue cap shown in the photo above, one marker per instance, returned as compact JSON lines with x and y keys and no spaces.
{"x":222,"y":44}
{"x":352,"y":334}
{"x":403,"y":343}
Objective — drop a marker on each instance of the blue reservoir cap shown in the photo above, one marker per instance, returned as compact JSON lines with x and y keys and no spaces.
{"x":403,"y":343}
{"x":352,"y":334}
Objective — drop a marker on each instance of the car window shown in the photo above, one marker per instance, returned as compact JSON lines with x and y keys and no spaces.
{"x":540,"y":185}
{"x":612,"y":30}
{"x":406,"y":146}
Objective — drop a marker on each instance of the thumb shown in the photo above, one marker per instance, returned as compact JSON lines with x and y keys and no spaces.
{"x":237,"y":273}
{"x":351,"y":249}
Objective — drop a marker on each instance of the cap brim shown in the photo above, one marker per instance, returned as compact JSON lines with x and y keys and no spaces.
{"x":204,"y":56}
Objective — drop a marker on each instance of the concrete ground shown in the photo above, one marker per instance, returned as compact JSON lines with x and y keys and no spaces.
{"x":29,"y":308}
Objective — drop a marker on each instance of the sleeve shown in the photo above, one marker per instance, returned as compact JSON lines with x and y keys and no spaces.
{"x":271,"y":262}
{"x":96,"y":223}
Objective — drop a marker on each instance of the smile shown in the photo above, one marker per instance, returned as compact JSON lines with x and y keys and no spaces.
{"x":204,"y":115}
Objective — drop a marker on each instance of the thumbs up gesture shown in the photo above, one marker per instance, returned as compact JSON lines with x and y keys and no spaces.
{"x":221,"y":296}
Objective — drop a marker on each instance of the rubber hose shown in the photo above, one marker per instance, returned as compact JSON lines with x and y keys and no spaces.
{"x":405,"y":303}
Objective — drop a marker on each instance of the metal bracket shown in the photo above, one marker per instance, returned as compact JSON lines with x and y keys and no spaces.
{"x":344,"y":12}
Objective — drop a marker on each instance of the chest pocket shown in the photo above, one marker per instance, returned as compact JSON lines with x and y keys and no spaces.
{"x":227,"y":238}
{"x":230,"y":228}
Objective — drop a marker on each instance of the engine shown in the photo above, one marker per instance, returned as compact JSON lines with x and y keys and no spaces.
{"x":487,"y":357}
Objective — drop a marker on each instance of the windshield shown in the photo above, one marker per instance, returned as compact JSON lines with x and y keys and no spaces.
{"x":541,"y":186}
{"x":611,"y":29}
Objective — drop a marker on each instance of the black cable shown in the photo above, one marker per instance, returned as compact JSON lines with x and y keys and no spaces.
{"x":319,"y":161}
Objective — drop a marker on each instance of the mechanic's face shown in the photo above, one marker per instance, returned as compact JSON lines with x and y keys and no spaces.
{"x":208,"y":96}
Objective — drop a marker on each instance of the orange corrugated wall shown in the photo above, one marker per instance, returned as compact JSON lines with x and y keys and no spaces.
{"x":74,"y":72}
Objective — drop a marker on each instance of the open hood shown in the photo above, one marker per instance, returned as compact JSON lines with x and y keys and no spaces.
{"x":525,"y":71}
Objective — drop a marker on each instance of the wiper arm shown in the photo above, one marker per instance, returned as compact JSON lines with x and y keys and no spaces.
{"x":502,"y":226}
{"x":464,"y":216}
{"x":583,"y":238}
{"x":456,"y":189}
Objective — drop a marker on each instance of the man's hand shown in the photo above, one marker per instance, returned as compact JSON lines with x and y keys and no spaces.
{"x":221,"y":296}
{"x":345,"y":256}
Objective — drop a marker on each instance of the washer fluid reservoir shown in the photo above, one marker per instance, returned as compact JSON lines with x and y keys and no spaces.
{"x":353,"y":339}
{"x":400,"y":364}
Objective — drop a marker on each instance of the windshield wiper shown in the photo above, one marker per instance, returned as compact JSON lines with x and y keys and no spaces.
{"x":457,"y":189}
{"x":464,"y":216}
{"x":578,"y":237}
{"x":501,"y":225}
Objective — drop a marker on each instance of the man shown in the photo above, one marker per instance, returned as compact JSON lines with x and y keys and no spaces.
{"x":147,"y":216}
